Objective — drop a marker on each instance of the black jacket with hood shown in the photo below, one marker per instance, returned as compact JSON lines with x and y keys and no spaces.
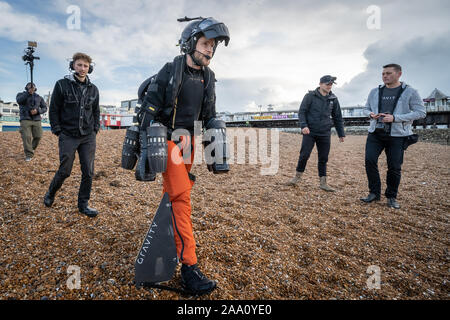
{"x":74,"y":108}
{"x":28,"y":102}
{"x":319,"y":113}
{"x":161,"y":100}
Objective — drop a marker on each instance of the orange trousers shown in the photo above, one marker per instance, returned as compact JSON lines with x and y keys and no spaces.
{"x":177,"y":184}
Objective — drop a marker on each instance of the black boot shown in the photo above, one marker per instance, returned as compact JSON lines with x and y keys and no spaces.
{"x":90,"y":212}
{"x":371,"y":197}
{"x":55,"y":185}
{"x":48,"y":199}
{"x":392,"y":203}
{"x":195,"y":282}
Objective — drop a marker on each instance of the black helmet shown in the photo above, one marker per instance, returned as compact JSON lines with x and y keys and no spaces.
{"x":209,"y":27}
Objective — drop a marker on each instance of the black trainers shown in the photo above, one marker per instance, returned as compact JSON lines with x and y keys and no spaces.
{"x":90,"y":212}
{"x":195,"y":282}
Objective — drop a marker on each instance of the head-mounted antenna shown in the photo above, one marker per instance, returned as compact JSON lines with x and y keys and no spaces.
{"x":186,"y":19}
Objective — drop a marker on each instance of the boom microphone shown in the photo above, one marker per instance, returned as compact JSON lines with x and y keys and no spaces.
{"x":205,"y":55}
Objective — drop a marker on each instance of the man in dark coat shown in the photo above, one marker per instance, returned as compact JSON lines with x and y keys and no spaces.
{"x":319,"y":111}
{"x":75,"y":119}
{"x":31,"y":107}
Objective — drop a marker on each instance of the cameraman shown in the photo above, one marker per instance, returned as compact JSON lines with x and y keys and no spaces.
{"x":392,"y":108}
{"x":75,"y":119}
{"x":31,"y":106}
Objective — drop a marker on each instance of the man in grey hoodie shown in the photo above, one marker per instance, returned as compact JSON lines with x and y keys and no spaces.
{"x":392,"y":108}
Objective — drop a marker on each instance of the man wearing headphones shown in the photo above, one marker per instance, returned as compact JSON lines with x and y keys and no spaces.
{"x":31,"y":107}
{"x":75,"y":119}
{"x":184,"y":92}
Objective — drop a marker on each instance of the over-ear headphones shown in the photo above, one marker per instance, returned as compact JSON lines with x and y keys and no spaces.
{"x":91,"y":67}
{"x":28,"y":87}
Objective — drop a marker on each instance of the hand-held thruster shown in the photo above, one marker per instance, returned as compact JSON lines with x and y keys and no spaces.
{"x":216,"y":149}
{"x":157,"y":147}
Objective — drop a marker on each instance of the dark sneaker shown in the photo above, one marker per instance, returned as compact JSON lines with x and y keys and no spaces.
{"x":90,"y":212}
{"x":371,"y":197}
{"x":195,"y":282}
{"x":48,"y":200}
{"x":392,"y":203}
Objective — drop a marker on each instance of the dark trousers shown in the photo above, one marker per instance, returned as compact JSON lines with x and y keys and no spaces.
{"x":393,"y":147}
{"x":85,"y":146}
{"x":323,"y":148}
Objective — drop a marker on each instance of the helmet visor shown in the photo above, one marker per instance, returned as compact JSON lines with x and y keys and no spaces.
{"x":213,"y":29}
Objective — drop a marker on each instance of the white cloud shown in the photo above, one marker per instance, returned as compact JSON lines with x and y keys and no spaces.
{"x":424,"y":61}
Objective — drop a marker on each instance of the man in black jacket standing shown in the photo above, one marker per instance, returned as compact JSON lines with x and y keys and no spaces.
{"x":31,"y":107}
{"x":316,"y":111}
{"x":75,"y":119}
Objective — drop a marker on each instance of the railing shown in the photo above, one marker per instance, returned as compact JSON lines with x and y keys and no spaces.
{"x":437,"y":108}
{"x":10,"y":119}
{"x":17,"y":119}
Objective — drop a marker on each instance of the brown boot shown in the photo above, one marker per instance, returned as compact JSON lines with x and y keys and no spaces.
{"x":295,"y":180}
{"x":324,"y":185}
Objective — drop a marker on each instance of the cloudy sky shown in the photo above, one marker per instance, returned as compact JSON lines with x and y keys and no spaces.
{"x":278,"y":49}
